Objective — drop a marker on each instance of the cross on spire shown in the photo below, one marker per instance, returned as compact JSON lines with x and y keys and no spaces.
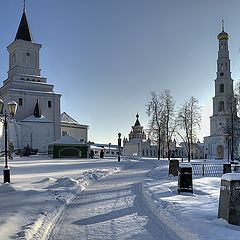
{"x":24,"y":5}
{"x":222,"y":25}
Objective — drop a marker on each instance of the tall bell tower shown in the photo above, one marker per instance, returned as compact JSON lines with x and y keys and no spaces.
{"x":217,"y":144}
{"x":223,"y":88}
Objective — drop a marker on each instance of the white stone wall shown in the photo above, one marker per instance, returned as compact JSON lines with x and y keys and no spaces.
{"x":77,"y":131}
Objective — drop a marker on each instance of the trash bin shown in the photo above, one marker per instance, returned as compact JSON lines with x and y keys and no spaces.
{"x":173,"y":167}
{"x":227,"y":168}
{"x":185,"y":178}
{"x":229,"y":200}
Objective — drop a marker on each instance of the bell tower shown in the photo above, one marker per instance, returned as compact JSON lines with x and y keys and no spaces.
{"x":217,"y":145}
{"x":223,"y":87}
{"x":30,"y":90}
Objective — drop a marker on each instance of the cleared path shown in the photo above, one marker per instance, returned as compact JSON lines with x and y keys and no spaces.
{"x":113,"y":208}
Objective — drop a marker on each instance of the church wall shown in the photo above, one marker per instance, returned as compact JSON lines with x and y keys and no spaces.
{"x":132,"y":150}
{"x":37,"y":135}
{"x":76,"y":131}
{"x":14,"y":134}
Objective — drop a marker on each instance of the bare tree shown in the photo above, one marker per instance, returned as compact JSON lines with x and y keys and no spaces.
{"x":189,"y":118}
{"x":232,"y":128}
{"x":160,"y":109}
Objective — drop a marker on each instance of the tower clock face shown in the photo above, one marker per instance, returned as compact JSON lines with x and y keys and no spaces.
{"x":221,"y":74}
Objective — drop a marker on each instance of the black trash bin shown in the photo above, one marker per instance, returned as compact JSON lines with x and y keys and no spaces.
{"x":185,"y":178}
{"x":227,"y":168}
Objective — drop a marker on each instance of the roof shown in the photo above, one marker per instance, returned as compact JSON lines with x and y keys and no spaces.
{"x":137,"y":123}
{"x":66,"y":140}
{"x":223,"y":36}
{"x":23,"y":31}
{"x":67,"y":119}
{"x":36,"y":119}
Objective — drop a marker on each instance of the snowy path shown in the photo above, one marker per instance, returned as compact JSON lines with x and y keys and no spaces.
{"x":113,"y":208}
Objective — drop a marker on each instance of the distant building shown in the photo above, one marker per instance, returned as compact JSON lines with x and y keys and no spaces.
{"x":197,"y":150}
{"x":217,"y":144}
{"x":137,"y":144}
{"x":109,"y":150}
{"x":71,"y":127}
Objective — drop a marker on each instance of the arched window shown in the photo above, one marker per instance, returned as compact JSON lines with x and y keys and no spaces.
{"x":221,"y":106}
{"x":221,"y":88}
{"x":222,"y":67}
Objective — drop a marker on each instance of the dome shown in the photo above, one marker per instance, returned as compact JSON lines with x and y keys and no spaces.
{"x":223,"y":36}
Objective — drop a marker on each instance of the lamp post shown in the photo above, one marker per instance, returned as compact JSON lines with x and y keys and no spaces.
{"x":227,"y":136}
{"x":231,"y":146}
{"x":119,"y":146}
{"x":12,"y":108}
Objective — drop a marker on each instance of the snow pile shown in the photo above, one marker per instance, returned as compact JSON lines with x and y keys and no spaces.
{"x":41,"y":205}
{"x":184,"y":213}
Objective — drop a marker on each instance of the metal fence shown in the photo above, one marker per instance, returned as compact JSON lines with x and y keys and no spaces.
{"x":207,"y":169}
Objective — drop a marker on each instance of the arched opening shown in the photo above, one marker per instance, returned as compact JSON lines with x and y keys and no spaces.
{"x":70,"y":152}
{"x":221,"y":88}
{"x":220,"y":152}
{"x":221,"y":106}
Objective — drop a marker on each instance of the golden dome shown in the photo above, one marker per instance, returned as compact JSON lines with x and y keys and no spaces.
{"x":223,"y":36}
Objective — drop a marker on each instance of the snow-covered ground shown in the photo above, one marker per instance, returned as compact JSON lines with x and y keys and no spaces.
{"x":42,"y":188}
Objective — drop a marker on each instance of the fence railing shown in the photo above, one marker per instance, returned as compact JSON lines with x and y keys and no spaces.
{"x":207,"y":169}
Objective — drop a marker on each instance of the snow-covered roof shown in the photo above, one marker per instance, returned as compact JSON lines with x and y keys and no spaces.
{"x":67,"y":140}
{"x":67,"y":119}
{"x":36,"y":119}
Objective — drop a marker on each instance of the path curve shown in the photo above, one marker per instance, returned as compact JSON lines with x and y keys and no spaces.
{"x":113,"y":208}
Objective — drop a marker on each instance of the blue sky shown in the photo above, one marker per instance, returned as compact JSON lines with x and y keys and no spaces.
{"x":106,"y":56}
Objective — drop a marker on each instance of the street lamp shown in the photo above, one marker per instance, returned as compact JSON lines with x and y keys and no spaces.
{"x":12,"y":108}
{"x":227,"y":136}
{"x":119,"y":146}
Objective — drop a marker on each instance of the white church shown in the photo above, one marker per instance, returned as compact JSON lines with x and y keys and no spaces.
{"x":37,"y":122}
{"x":218,"y":144}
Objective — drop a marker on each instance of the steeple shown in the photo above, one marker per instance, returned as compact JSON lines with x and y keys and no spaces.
{"x":137,"y":123}
{"x":23,"y":32}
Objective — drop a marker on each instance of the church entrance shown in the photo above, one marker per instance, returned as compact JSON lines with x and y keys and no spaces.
{"x":220,"y":152}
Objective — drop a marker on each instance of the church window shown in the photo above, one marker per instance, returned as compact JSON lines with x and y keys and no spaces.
{"x":64,"y":133}
{"x":28,"y":54}
{"x":221,"y":106}
{"x":13,"y":58}
{"x":222,"y":46}
{"x":146,"y":152}
{"x":150,"y":152}
{"x":49,"y":104}
{"x":221,"y":88}
{"x":20,"y":101}
{"x":222,"y":67}
{"x":143,"y":152}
